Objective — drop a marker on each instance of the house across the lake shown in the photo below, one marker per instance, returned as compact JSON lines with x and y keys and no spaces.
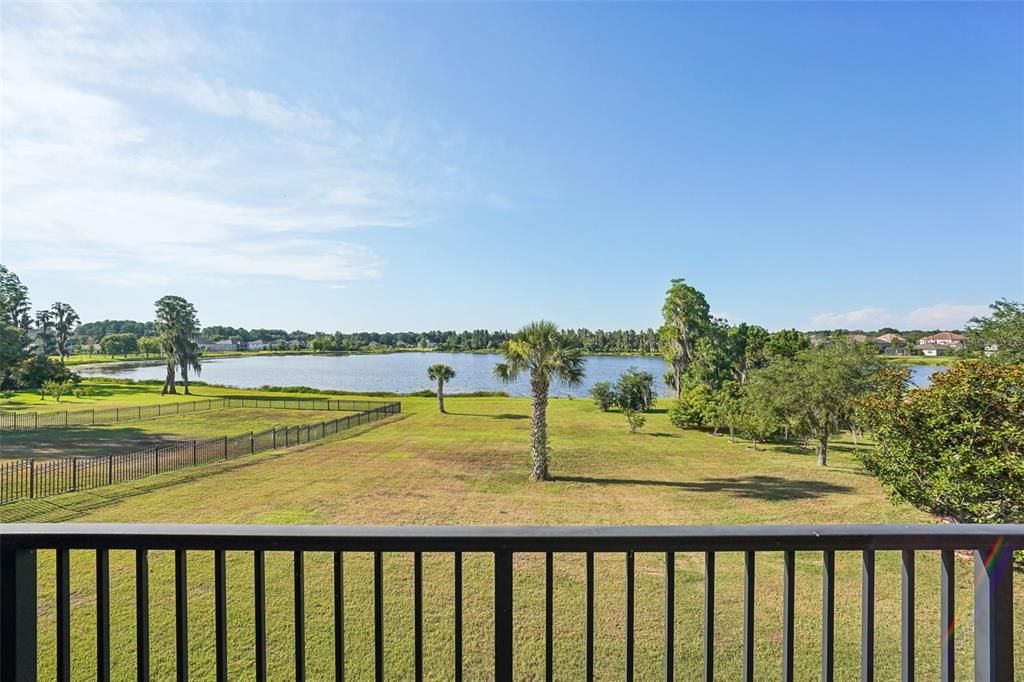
{"x":933,"y":349}
{"x":951,"y":340}
{"x":892,"y":344}
{"x":222,"y":346}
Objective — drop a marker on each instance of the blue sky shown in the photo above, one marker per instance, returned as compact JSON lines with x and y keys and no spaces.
{"x":388,"y":167}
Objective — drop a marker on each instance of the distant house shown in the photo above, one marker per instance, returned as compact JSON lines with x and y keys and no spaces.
{"x":892,"y":339}
{"x":222,"y":346}
{"x":948,"y":339}
{"x":892,"y":344}
{"x":857,"y":338}
{"x":257,"y":345}
{"x":933,"y":349}
{"x":296,"y":344}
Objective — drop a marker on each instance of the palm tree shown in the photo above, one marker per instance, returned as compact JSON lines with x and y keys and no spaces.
{"x":65,"y":319}
{"x":441,"y":374}
{"x":177,"y":324}
{"x":44,"y":332}
{"x":541,"y":351}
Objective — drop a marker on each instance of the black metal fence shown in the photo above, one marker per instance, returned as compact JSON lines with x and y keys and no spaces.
{"x":20,"y":611}
{"x":12,"y":421}
{"x":29,"y":479}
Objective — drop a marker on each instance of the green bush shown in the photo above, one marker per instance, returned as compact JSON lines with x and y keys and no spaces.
{"x":955,"y":448}
{"x":604,"y":396}
{"x":694,"y":408}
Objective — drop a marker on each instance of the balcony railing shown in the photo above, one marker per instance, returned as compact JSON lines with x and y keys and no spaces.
{"x":992,"y":545}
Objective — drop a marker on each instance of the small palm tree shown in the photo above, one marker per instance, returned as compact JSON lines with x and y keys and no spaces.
{"x":441,"y":374}
{"x":538,"y":349}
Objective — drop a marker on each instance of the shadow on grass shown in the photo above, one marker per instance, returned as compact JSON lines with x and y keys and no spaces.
{"x":81,"y":441}
{"x":662,"y":434}
{"x":772,"y":488}
{"x":490,"y":416}
{"x":813,"y":451}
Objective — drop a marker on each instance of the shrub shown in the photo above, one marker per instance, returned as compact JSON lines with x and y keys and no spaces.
{"x":604,"y":396}
{"x":955,"y":448}
{"x":635,"y":390}
{"x":694,"y":408}
{"x":635,"y":419}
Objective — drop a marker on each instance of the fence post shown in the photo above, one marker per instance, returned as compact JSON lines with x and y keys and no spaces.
{"x":156,"y":460}
{"x":193,"y":452}
{"x":225,"y":447}
{"x":140,"y":412}
{"x":274,"y":432}
{"x":110,"y":469}
{"x":993,"y":613}
{"x":74,"y":473}
{"x":65,"y":419}
{"x":36,"y":423}
{"x":117,"y":414}
{"x":18,"y":614}
{"x":252,"y":443}
{"x":31,"y":478}
{"x":94,"y":416}
{"x":286,"y":429}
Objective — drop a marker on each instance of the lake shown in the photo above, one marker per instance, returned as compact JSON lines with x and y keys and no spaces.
{"x":395,"y":372}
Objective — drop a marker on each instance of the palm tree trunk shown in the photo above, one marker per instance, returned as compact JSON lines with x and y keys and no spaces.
{"x":440,"y":395}
{"x":823,"y":447}
{"x":539,"y":433}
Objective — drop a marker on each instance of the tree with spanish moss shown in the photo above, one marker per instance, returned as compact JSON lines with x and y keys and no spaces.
{"x":539,"y":351}
{"x":177,"y":324}
{"x":686,"y":315}
{"x":442,"y":374}
{"x":65,"y":320}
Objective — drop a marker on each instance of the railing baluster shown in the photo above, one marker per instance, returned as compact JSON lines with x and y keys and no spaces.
{"x":102,"y":615}
{"x":220,"y":599}
{"x":907,"y":619}
{"x":458,"y":616}
{"x":867,"y":623}
{"x":670,"y":615}
{"x":339,"y":617}
{"x":300,"y":617}
{"x":589,"y":623}
{"x":181,"y":613}
{"x":378,"y":615}
{"x":748,"y":616}
{"x":630,"y":584}
{"x":788,"y":605}
{"x":828,"y":614}
{"x":993,"y":613}
{"x":946,"y":616}
{"x":503,"y":616}
{"x":18,"y":613}
{"x":63,"y":570}
{"x":417,"y":623}
{"x":260,"y":613}
{"x":709,"y":616}
{"x":549,"y":616}
{"x":142,"y":615}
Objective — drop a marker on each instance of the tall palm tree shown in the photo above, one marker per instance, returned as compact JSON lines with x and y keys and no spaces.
{"x":177,"y":324}
{"x":441,"y":374}
{"x":538,"y":349}
{"x":65,"y":319}
{"x":44,"y":332}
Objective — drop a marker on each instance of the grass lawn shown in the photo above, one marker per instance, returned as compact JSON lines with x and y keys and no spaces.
{"x":470,"y":467}
{"x":91,"y":441}
{"x":941,"y":360}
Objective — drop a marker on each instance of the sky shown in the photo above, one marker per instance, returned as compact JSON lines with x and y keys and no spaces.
{"x":419,"y":166}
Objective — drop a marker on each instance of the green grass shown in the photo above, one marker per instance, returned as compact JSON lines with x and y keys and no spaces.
{"x":470,"y":467}
{"x":90,"y":441}
{"x":941,"y":360}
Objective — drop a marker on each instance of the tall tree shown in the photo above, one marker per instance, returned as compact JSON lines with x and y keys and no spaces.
{"x":786,"y":343}
{"x":686,"y":315}
{"x":1002,"y":331}
{"x":65,"y":319}
{"x":442,"y":374}
{"x":177,"y":324}
{"x":540,"y":351}
{"x":818,"y":389}
{"x":14,"y":300}
{"x":45,"y":343}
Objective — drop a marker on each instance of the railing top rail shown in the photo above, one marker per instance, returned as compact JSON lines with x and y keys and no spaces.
{"x":513,"y":538}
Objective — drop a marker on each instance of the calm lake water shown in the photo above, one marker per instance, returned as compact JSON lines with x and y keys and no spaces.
{"x":397,"y":372}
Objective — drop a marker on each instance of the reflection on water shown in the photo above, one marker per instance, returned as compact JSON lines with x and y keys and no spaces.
{"x":397,"y":372}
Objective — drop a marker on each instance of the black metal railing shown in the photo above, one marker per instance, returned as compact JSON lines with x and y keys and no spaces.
{"x":31,"y":479}
{"x":20,"y":421}
{"x":992,"y":545}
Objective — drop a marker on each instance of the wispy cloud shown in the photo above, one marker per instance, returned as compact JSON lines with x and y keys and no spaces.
{"x":938,"y":316}
{"x":117,"y":162}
